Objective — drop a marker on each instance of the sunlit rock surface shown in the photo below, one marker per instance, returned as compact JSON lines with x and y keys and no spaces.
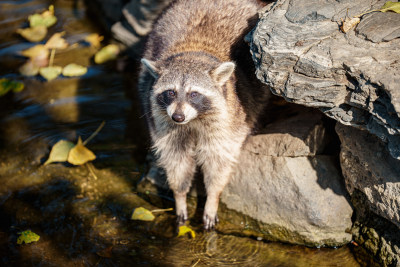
{"x":299,"y":50}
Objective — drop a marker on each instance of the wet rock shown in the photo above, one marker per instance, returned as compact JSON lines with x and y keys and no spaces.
{"x":369,"y":168}
{"x":300,"y":52}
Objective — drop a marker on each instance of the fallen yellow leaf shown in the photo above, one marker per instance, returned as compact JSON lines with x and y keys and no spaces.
{"x":73,"y":69}
{"x":46,"y":19}
{"x":107,"y":53}
{"x":391,"y":6}
{"x":7,"y":85}
{"x":27,"y":237}
{"x":50,"y":73}
{"x":94,"y":39}
{"x":59,"y":152}
{"x":79,"y":154}
{"x":142,"y":214}
{"x":29,"y":69}
{"x":33,"y":34}
{"x":184,"y":230}
{"x":349,"y":23}
{"x":56,"y":41}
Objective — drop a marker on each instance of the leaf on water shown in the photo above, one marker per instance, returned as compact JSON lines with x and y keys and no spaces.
{"x":7,"y":85}
{"x":56,"y":41}
{"x":142,"y":214}
{"x":27,"y":237}
{"x":29,"y":69}
{"x":59,"y":152}
{"x":94,"y":39}
{"x":183,"y":230}
{"x":36,"y":51}
{"x":349,"y":23}
{"x":73,"y":69}
{"x":391,"y":6}
{"x":46,"y":19}
{"x":107,"y":53}
{"x":50,"y":73}
{"x":33,"y":34}
{"x":79,"y":154}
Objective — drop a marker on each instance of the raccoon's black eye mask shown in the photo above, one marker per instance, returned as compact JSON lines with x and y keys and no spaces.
{"x":166,"y":98}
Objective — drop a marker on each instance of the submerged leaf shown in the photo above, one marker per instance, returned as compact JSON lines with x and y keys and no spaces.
{"x":33,"y":34}
{"x":50,"y":73}
{"x":107,"y":53}
{"x":60,"y":151}
{"x":56,"y":41}
{"x":27,"y":237}
{"x":184,"y":230}
{"x":7,"y":85}
{"x":142,"y":214}
{"x":79,"y":154}
{"x":391,"y":6}
{"x":46,"y":19}
{"x":73,"y":69}
{"x":29,"y":69}
{"x":94,"y":39}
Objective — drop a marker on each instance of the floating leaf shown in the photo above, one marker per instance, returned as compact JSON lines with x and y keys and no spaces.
{"x":29,"y":69}
{"x":73,"y":69}
{"x":50,"y":73}
{"x":46,"y":19}
{"x":33,"y":34}
{"x":36,"y":51}
{"x":142,"y":214}
{"x":56,"y":41}
{"x":59,"y":152}
{"x":79,"y":154}
{"x":27,"y":237}
{"x":94,"y":39}
{"x":184,"y":230}
{"x":7,"y":85}
{"x":391,"y":6}
{"x":349,"y":23}
{"x":107,"y":53}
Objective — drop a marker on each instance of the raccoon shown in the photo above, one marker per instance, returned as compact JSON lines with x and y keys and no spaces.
{"x":200,"y":94}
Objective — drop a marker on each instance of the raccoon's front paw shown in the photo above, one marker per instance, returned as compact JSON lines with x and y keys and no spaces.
{"x":181,"y":218}
{"x":210,"y":221}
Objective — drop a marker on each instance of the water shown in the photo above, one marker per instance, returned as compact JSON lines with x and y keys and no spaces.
{"x":82,"y":213}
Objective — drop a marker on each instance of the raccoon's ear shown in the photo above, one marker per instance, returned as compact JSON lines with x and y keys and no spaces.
{"x":223,"y":72}
{"x":151,"y":67}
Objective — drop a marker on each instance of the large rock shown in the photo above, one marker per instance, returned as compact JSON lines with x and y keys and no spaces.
{"x":373,"y":179}
{"x":286,"y":188}
{"x":354,"y":78}
{"x":368,"y":167}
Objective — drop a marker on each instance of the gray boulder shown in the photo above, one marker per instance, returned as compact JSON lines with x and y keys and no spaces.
{"x":300,"y":52}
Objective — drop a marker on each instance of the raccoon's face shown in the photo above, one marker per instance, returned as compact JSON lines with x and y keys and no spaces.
{"x":186,"y":94}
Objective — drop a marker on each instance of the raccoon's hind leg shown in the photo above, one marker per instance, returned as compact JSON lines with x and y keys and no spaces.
{"x":180,"y":174}
{"x":216,"y":175}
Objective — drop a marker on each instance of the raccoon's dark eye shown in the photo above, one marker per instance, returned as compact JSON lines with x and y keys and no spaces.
{"x":193,"y":94}
{"x":171,"y":93}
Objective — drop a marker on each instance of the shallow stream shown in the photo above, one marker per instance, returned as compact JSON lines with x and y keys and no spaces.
{"x":82,"y":213}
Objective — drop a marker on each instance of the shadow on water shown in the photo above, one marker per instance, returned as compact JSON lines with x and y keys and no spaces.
{"x":84,"y":218}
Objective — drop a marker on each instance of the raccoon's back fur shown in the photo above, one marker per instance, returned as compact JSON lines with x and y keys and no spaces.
{"x":200,"y":95}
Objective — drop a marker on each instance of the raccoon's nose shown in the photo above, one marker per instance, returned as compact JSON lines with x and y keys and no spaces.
{"x":178,"y":117}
